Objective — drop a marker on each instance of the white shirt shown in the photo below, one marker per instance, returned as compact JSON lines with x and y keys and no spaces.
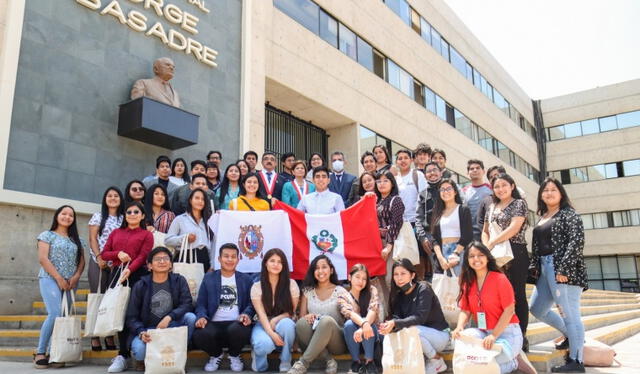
{"x":409,"y":193}
{"x":228,"y":306}
{"x":184,"y":225}
{"x":325,"y":202}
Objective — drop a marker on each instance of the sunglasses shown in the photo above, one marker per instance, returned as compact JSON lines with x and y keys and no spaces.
{"x":137,"y":189}
{"x":132,"y":212}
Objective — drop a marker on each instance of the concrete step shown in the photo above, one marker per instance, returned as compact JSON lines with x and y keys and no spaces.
{"x":25,"y":321}
{"x":596,"y":309}
{"x":600,"y":295}
{"x":25,"y":338}
{"x":40,"y":309}
{"x":605,"y":301}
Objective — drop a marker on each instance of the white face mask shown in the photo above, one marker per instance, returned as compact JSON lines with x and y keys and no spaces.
{"x":337,"y":165}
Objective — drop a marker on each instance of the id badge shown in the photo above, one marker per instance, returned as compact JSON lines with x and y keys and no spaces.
{"x":482,"y":320}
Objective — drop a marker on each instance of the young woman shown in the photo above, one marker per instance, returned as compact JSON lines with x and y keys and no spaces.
{"x":130,"y":244}
{"x":413,"y":303}
{"x":383,"y":160}
{"x":193,"y":225}
{"x":179,"y":174}
{"x":250,"y":198}
{"x":244,"y":168}
{"x":275,"y":299}
{"x":319,"y":329}
{"x":101,"y":225}
{"x":366,"y":183}
{"x":509,"y":211}
{"x":213,"y":176}
{"x":314,"y":161}
{"x":486,"y":296}
{"x":61,"y":256}
{"x":368,"y":161}
{"x":293,"y":191}
{"x":134,"y":191}
{"x":160,"y":215}
{"x":230,"y":186}
{"x":451,"y":226}
{"x":390,"y":211}
{"x":558,"y":242}
{"x":360,"y":309}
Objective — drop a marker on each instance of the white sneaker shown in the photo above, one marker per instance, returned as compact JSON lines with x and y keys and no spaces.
{"x":118,"y":365}
{"x":236,"y":363}
{"x":213,"y":363}
{"x":254,"y":366}
{"x":435,"y":365}
{"x":284,"y":366}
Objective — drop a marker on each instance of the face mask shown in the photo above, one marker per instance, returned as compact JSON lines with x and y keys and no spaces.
{"x":405,"y":287}
{"x":337,"y":165}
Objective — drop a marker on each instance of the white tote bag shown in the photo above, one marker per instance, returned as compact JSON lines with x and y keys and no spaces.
{"x":470,"y":357}
{"x":93,"y":303}
{"x":66,"y":339}
{"x":402,"y":352}
{"x":447,"y":288}
{"x":502,"y":251}
{"x":167,"y":351}
{"x":189,"y":268}
{"x":113,"y":308}
{"x":158,"y":239}
{"x":405,"y":245}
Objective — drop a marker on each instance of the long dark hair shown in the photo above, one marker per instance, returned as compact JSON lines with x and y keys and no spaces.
{"x":394,"y":185}
{"x":310,"y":281}
{"x":468,"y":275}
{"x":224,"y":185}
{"x":386,"y":153}
{"x":309,"y":167}
{"x":72,"y":231}
{"x":148,"y":201}
{"x":365,"y":294}
{"x":127,"y":196}
{"x":243,"y":191}
{"x":185,"y":176}
{"x":515,"y":193}
{"x":280,"y":302}
{"x":361,"y":190}
{"x":143,"y":223}
{"x":104,"y":209}
{"x":439,"y":205}
{"x":206,"y":211}
{"x":395,"y":291}
{"x":564,"y":197}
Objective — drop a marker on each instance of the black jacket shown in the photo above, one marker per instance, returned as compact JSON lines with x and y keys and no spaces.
{"x":420,"y":307}
{"x":425,"y":207}
{"x":466,"y":228}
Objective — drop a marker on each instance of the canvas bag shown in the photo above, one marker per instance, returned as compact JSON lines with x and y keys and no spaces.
{"x":113,"y":308}
{"x":596,"y":353}
{"x":402,"y":352}
{"x":66,"y":339}
{"x":93,"y":303}
{"x":167,"y":351}
{"x":502,"y":251}
{"x":189,"y":268}
{"x":470,"y":357}
{"x":447,"y":288}
{"x":158,"y":239}
{"x":405,"y":245}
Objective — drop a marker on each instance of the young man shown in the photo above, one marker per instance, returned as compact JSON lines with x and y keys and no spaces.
{"x":422,"y":155}
{"x":215,"y":157}
{"x":159,"y":300}
{"x":287,"y":161}
{"x":180,"y":201}
{"x":439,"y":157}
{"x":410,"y":183}
{"x":251,"y":158}
{"x":224,"y":311}
{"x":270,"y":182}
{"x":341,"y":181}
{"x":474,"y":194}
{"x":322,"y":201}
{"x":163,"y":171}
{"x":426,"y":201}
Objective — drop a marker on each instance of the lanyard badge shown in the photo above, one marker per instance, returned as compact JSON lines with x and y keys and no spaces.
{"x":481,"y":317}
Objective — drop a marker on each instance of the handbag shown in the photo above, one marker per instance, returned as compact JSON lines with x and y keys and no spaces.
{"x":66,"y":340}
{"x":93,"y":303}
{"x":599,"y":354}
{"x":402,"y":352}
{"x":113,"y":308}
{"x":502,"y":251}
{"x":447,"y":288}
{"x":189,"y":268}
{"x":158,"y":239}
{"x":167,"y":351}
{"x":470,"y":357}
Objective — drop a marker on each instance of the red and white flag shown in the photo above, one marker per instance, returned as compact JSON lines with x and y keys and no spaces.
{"x":347,"y":238}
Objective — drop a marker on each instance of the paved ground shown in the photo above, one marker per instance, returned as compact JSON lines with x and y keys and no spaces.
{"x":627,"y":355}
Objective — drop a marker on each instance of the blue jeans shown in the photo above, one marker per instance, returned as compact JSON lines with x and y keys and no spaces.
{"x":433,"y":341}
{"x":139,"y":348}
{"x":354,"y":348}
{"x":52,"y":297}
{"x":567,"y":298}
{"x":510,"y":341}
{"x":262,"y":344}
{"x":447,"y":250}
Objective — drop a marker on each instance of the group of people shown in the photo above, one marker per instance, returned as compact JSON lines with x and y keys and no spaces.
{"x":456,"y":230}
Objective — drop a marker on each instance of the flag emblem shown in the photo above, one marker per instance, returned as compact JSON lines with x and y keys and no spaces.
{"x":325,"y":241}
{"x":250,"y":241}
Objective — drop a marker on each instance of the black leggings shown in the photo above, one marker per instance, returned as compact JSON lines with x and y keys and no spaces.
{"x":517,"y":270}
{"x":123,"y":336}
{"x":217,"y":335}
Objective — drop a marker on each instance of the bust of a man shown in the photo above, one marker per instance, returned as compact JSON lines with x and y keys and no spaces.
{"x":158,"y":87}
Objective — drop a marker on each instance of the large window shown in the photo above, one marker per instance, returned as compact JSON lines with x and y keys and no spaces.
{"x":400,"y":79}
{"x":365,"y":54}
{"x":329,"y":29}
{"x":594,"y":126}
{"x":604,"y":220}
{"x":401,"y":8}
{"x":614,"y":273}
{"x":458,"y":61}
{"x":305,"y":12}
{"x":347,"y":41}
{"x":599,"y":172}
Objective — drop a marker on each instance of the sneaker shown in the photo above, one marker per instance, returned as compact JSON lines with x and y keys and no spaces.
{"x":524,"y":365}
{"x":42,"y":363}
{"x":332,"y":366}
{"x":571,"y":366}
{"x":118,"y":365}
{"x":212,"y":364}
{"x":356,"y":366}
{"x":254,"y":364}
{"x":236,"y":363}
{"x":298,"y":368}
{"x":139,"y":366}
{"x":369,"y":368}
{"x":436,"y":365}
{"x":563,"y":345}
{"x":284,"y":366}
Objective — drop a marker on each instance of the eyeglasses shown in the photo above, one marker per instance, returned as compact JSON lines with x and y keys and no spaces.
{"x":137,"y":189}
{"x":446,"y":189}
{"x":477,"y":256}
{"x":434,"y":170}
{"x":380,"y":181}
{"x":162,"y":259}
{"x":132,"y":212}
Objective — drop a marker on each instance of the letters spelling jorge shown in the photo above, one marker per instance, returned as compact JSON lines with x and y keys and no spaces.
{"x":172,"y":13}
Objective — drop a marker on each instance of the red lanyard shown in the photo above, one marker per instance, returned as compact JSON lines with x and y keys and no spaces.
{"x":479,"y":290}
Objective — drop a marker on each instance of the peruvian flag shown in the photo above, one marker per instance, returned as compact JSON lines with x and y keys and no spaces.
{"x":347,"y":238}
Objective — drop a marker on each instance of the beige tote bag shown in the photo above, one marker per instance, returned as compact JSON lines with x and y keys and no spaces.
{"x":189,"y":268}
{"x":93,"y":303}
{"x":470,"y":357}
{"x":113,"y":308}
{"x":447,"y":288}
{"x":502,"y":251}
{"x":402,"y":352}
{"x":167,"y":351}
{"x":66,"y":339}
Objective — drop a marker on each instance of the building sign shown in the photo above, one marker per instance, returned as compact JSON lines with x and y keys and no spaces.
{"x":174,"y":38}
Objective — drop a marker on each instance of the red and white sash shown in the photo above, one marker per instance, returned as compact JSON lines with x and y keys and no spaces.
{"x":305,"y":188}
{"x":270,"y":187}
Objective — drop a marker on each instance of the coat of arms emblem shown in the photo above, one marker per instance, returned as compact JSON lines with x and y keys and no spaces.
{"x":250,"y":241}
{"x":325,"y":241}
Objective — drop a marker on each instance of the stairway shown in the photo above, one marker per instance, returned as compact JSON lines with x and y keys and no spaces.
{"x":608,"y":316}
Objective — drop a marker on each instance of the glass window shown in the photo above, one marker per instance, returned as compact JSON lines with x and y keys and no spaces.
{"x":612,"y":285}
{"x":571,"y":130}
{"x":463,"y":124}
{"x":578,"y":175}
{"x":417,"y":92}
{"x":611,"y":170}
{"x":600,"y":220}
{"x":596,"y":285}
{"x":587,"y":221}
{"x":489,"y":92}
{"x":627,"y":267}
{"x":425,"y":30}
{"x":608,"y":123}
{"x":430,"y":100}
{"x":305,"y":12}
{"x":469,"y":72}
{"x":609,"y":267}
{"x":435,"y":40}
{"x":367,"y":138}
{"x":634,"y":216}
{"x":445,"y":49}
{"x":596,"y":172}
{"x":458,"y":61}
{"x":477,"y":79}
{"x":450,"y":116}
{"x":621,"y":218}
{"x":328,"y":29}
{"x":593,"y":267}
{"x":441,"y":110}
{"x":401,"y":8}
{"x":556,"y":133}
{"x":400,"y":79}
{"x":503,"y":152}
{"x":485,"y":140}
{"x":631,"y":167}
{"x":347,"y":42}
{"x":498,"y":99}
{"x":630,"y":119}
{"x":513,"y":113}
{"x":590,"y":126}
{"x":415,"y":21}
{"x":365,"y":54}
{"x":378,"y":64}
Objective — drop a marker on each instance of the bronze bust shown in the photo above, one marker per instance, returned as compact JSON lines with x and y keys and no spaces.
{"x":158,"y":87}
